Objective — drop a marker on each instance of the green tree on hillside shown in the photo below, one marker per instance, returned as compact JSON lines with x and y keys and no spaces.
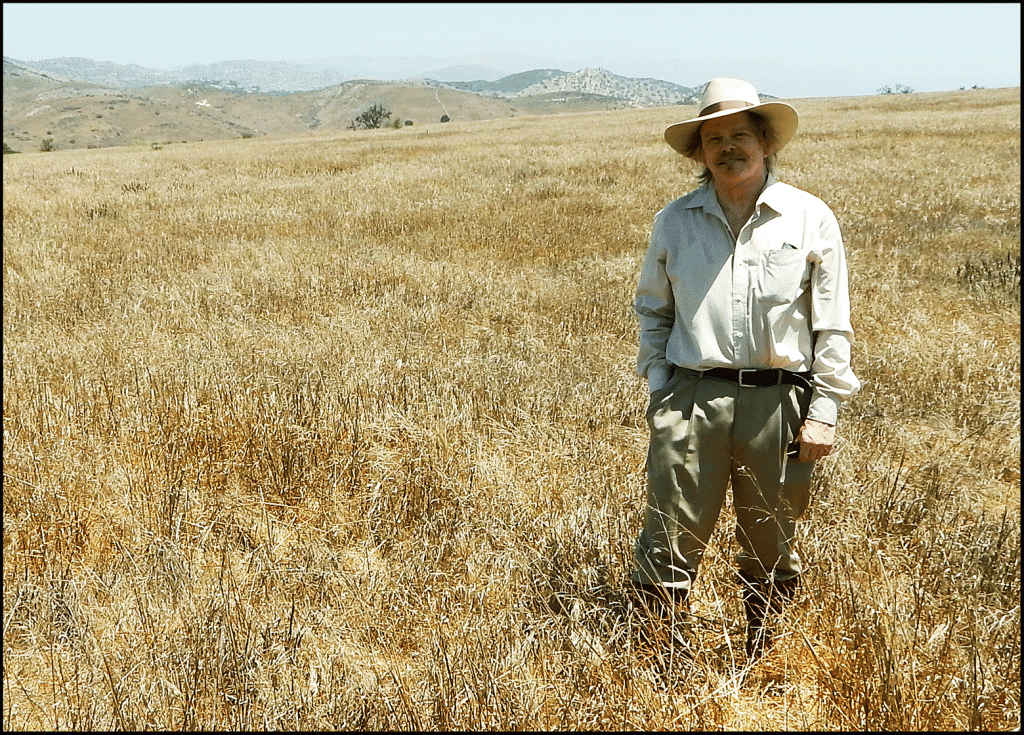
{"x":372,"y":118}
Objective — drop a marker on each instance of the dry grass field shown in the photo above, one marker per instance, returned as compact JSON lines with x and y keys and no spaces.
{"x":343,"y":432}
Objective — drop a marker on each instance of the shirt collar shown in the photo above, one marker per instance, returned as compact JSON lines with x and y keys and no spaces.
{"x":772,"y":196}
{"x":706,"y":199}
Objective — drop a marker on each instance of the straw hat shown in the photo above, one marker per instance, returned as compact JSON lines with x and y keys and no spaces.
{"x":724,"y":96}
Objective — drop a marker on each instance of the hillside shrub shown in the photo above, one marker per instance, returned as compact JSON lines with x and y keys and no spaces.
{"x":372,"y":118}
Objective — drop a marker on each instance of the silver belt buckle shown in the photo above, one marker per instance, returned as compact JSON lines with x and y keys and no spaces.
{"x":742,"y":371}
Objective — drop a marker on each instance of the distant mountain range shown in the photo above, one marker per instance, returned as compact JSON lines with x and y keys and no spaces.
{"x":282,"y":78}
{"x":637,"y":92}
{"x":266,"y":76}
{"x":80,"y":103}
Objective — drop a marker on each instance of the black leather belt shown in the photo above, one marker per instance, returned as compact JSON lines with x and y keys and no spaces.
{"x":750,"y":378}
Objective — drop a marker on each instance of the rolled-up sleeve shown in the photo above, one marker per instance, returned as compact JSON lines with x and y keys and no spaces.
{"x":833,"y":379}
{"x":655,"y":309}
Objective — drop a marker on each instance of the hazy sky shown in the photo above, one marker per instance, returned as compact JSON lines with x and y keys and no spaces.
{"x":795,"y":50}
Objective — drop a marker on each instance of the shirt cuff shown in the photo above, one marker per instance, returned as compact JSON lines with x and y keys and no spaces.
{"x":824,"y":409}
{"x":658,"y":376}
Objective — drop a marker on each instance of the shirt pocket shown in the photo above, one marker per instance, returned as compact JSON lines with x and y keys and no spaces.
{"x":782,"y":275}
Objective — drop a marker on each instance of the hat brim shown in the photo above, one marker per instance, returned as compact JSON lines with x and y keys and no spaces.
{"x":782,"y":118}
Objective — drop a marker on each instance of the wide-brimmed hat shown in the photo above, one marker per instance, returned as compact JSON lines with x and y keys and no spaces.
{"x":724,"y":96}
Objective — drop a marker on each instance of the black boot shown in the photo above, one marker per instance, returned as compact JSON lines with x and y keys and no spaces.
{"x":763,"y":603}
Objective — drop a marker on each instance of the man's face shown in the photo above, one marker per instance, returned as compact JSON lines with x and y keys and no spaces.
{"x":733,"y":151}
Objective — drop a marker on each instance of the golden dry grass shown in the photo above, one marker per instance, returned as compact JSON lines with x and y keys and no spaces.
{"x":343,"y":432}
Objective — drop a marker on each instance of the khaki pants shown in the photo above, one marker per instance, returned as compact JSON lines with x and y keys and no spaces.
{"x":706,"y":432}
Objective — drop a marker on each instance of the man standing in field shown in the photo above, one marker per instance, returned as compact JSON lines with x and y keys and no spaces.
{"x":745,"y":343}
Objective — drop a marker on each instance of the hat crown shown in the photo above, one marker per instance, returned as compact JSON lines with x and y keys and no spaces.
{"x":723,"y":92}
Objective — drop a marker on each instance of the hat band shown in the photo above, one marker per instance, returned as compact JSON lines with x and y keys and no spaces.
{"x":727,"y":105}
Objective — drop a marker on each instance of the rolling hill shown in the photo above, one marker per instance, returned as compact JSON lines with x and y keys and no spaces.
{"x":80,"y":103}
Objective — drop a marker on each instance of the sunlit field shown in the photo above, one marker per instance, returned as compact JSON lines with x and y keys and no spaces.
{"x":344,"y":432}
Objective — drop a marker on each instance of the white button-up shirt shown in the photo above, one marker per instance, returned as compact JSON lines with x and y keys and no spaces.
{"x":773,"y":295}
